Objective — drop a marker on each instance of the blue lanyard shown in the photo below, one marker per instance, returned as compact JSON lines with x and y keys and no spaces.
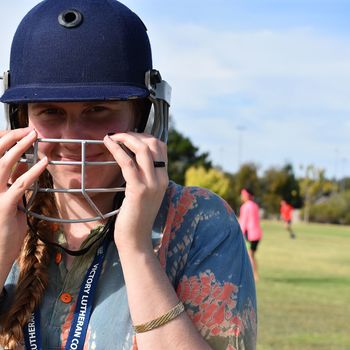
{"x":31,"y":332}
{"x":82,"y":312}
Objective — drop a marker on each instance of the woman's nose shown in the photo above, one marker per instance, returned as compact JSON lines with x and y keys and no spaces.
{"x":73,"y":128}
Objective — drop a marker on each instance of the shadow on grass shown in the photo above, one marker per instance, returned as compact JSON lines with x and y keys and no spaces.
{"x":308,"y":280}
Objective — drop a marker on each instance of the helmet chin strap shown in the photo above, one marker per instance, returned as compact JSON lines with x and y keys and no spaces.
{"x":107,"y":232}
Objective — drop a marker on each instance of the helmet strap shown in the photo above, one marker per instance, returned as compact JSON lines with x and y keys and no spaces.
{"x":106,"y":232}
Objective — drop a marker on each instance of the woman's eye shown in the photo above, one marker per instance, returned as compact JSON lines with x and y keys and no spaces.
{"x":97,"y":109}
{"x":100,"y":113}
{"x":51,"y":111}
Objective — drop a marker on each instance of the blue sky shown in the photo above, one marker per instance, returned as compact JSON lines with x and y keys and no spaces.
{"x":262,"y":80}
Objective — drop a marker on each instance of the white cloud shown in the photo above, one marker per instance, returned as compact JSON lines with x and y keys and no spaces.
{"x":294,"y":87}
{"x":203,"y":63}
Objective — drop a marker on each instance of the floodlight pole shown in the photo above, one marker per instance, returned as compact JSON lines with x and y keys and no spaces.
{"x":240,"y":130}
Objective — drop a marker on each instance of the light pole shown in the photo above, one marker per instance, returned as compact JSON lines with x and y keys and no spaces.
{"x":343,"y":173}
{"x":240,"y":130}
{"x":336,"y":156}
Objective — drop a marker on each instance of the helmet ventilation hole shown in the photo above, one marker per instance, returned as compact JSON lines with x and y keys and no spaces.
{"x":70,"y":18}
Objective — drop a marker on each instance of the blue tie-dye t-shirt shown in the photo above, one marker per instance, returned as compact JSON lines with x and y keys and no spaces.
{"x":199,"y":244}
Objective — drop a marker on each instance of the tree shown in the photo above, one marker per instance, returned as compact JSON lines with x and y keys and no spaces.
{"x":212,"y":178}
{"x":182,"y":154}
{"x":313,"y":186}
{"x":344,"y":184}
{"x":245,"y":177}
{"x":278,"y":184}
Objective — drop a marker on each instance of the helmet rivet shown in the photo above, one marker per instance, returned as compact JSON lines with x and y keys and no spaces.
{"x":70,"y":18}
{"x":155,"y":77}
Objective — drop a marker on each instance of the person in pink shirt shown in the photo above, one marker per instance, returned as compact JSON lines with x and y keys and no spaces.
{"x":249,"y":220}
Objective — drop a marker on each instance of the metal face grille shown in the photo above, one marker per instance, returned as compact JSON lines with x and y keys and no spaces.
{"x":33,"y":158}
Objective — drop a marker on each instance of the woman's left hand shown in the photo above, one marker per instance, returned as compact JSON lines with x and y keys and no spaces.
{"x":145,"y":187}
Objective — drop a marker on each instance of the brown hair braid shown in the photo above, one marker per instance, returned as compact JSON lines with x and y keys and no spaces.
{"x":33,"y":277}
{"x":33,"y":264}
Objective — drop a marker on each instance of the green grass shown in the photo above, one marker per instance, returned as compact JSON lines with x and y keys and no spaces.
{"x":304,"y":288}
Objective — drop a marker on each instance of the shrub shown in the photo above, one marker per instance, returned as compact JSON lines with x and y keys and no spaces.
{"x":334,"y":209}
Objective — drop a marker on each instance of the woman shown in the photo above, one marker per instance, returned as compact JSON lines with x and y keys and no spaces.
{"x":249,"y":219}
{"x":84,"y":264}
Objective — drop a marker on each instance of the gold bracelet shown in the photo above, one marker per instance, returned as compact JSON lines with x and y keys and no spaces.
{"x":160,"y":321}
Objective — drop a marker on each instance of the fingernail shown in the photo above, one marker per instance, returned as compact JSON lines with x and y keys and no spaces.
{"x":108,"y":138}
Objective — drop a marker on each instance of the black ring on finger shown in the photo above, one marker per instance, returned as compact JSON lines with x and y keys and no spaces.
{"x":159,"y":164}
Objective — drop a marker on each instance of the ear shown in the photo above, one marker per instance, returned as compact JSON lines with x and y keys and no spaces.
{"x":18,"y":116}
{"x":141,"y":109}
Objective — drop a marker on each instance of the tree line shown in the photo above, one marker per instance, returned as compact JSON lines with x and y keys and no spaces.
{"x":320,"y":199}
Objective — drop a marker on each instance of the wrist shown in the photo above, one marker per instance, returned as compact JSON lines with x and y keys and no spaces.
{"x":129,"y":243}
{"x":138,"y":249}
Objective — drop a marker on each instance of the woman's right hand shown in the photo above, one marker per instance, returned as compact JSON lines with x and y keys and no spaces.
{"x":15,"y":179}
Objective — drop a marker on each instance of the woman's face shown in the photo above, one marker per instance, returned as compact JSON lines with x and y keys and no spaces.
{"x":81,"y":121}
{"x":244,"y":196}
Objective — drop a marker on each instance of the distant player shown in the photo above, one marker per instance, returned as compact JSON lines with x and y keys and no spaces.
{"x":286,"y":211}
{"x":249,"y":220}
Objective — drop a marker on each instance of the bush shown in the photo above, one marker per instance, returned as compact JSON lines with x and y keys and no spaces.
{"x":334,"y":209}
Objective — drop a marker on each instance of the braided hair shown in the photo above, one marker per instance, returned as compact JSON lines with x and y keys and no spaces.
{"x":33,"y":260}
{"x":33,"y":263}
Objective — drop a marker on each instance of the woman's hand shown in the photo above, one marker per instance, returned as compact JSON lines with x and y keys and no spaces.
{"x":15,"y":179}
{"x":149,"y":290}
{"x":145,"y":187}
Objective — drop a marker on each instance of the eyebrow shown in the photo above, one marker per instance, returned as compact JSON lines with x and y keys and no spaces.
{"x":38,"y":105}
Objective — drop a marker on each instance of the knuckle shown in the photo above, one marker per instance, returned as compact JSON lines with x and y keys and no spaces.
{"x":129,"y":162}
{"x":3,"y":164}
{"x":154,"y":143}
{"x":143,"y":148}
{"x":20,"y":184}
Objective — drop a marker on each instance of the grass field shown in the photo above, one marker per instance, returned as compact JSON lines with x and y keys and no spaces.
{"x":304,"y":288}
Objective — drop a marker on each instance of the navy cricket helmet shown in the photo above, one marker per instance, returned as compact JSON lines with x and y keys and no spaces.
{"x":84,"y":50}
